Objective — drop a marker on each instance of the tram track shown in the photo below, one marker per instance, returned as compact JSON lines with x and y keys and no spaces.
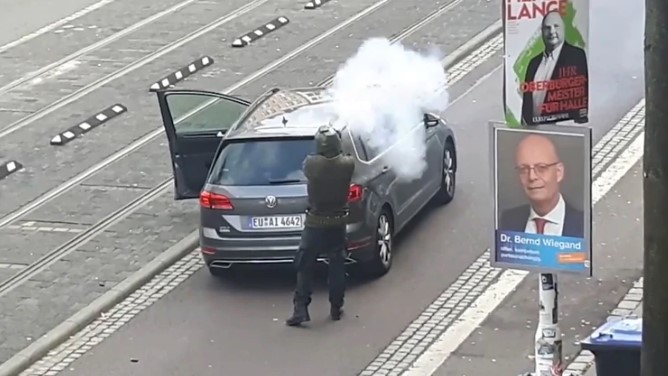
{"x":45,"y":70}
{"x":134,"y":65}
{"x":118,"y":215}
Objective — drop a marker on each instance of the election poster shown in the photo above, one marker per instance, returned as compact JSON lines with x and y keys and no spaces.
{"x":542,"y":198}
{"x":546,"y":76}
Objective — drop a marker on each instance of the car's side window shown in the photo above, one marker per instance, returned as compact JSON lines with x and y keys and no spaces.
{"x":373,"y":150}
{"x":347,"y":145}
{"x":368,"y":150}
{"x":197,"y":113}
{"x":360,"y":150}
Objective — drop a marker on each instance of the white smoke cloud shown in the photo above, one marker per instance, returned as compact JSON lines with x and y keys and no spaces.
{"x":382,"y":93}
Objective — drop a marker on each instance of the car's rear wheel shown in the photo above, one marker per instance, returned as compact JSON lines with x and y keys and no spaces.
{"x":384,"y":237}
{"x":448,"y":175}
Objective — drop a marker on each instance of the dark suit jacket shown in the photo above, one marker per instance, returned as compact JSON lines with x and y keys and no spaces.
{"x":515,"y":219}
{"x":570,"y":56}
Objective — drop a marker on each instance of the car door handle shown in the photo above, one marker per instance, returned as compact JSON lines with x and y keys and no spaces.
{"x":385,"y":170}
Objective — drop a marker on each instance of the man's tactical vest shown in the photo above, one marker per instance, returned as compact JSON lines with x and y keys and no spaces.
{"x":328,"y":185}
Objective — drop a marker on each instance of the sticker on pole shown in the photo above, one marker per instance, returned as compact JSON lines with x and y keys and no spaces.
{"x":546,"y":75}
{"x":542,"y":198}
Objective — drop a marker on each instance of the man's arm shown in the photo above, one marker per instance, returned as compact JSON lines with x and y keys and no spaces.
{"x":349,"y":166}
{"x":308,"y":166}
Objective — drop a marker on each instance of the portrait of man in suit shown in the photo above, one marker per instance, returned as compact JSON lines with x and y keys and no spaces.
{"x":541,"y":172}
{"x":559,"y":60}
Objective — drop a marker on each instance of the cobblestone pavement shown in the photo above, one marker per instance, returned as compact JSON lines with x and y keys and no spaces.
{"x":33,"y":226}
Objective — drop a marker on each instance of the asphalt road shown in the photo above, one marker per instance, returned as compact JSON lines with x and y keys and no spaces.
{"x":81,"y":80}
{"x":237,"y":325}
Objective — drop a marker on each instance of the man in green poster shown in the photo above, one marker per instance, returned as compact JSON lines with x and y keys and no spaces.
{"x":556,"y":81}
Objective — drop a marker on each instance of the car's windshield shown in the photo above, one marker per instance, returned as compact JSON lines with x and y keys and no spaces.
{"x":267,"y":162}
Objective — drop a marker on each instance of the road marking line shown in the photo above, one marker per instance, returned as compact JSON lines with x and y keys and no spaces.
{"x":474,"y":316}
{"x":55,"y":25}
{"x":11,"y":266}
{"x":25,"y":227}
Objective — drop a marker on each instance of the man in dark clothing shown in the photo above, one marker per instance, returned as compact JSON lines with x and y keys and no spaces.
{"x":328,"y":173}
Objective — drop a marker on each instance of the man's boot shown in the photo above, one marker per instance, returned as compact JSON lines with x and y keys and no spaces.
{"x":300,"y":315}
{"x":335,"y":312}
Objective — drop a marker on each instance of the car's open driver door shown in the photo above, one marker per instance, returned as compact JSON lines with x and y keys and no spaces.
{"x":195,"y":122}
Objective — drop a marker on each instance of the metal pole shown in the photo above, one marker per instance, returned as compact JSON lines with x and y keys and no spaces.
{"x":548,"y":347}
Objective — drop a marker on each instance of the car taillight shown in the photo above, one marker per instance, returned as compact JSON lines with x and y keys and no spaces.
{"x":211,"y":200}
{"x":355,"y":193}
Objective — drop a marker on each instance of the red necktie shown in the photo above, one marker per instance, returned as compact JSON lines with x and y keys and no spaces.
{"x":540,"y":225}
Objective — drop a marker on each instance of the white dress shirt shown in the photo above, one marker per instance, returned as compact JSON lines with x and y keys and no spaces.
{"x":555,"y":220}
{"x":544,"y":73}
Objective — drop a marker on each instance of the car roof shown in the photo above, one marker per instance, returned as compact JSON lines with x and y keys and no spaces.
{"x":285,"y":113}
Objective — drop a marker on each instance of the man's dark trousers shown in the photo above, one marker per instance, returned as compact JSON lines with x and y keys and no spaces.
{"x":316,"y":240}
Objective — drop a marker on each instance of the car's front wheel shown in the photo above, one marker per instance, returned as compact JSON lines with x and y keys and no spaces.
{"x":446,"y":193}
{"x":381,"y":262}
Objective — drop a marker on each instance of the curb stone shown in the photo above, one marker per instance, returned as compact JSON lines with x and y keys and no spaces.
{"x":79,"y":320}
{"x":61,"y":333}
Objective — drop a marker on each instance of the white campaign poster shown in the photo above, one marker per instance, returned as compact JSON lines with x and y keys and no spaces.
{"x":546,"y":71}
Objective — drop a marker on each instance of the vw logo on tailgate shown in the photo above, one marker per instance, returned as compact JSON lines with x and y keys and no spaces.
{"x":270,"y":201}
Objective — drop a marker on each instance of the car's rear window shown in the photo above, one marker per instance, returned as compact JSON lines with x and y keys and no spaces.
{"x":262,"y":162}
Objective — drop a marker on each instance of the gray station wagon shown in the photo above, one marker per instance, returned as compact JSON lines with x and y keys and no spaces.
{"x":243,"y":161}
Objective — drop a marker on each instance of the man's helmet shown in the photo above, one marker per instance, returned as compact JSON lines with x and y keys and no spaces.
{"x":328,"y":142}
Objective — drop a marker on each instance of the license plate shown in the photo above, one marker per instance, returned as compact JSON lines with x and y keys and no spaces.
{"x":277,"y":222}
